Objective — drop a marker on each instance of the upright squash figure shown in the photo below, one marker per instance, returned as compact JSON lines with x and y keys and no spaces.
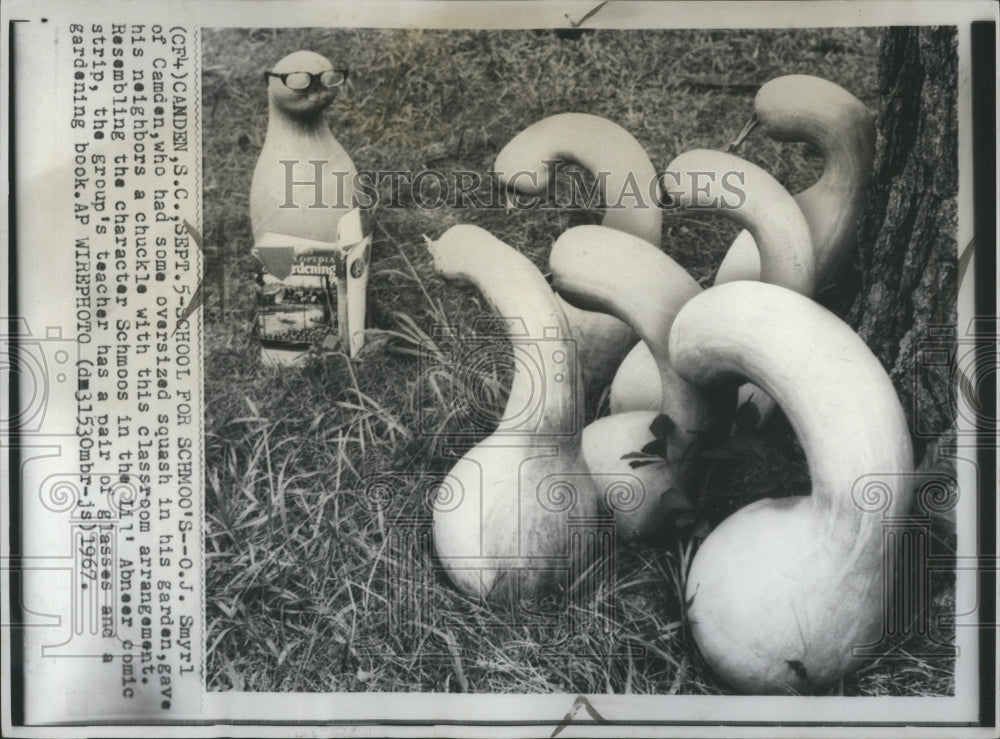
{"x":316,"y":255}
{"x":800,"y":107}
{"x":304,"y":179}
{"x":506,"y":516}
{"x":785,"y":589}
{"x":645,"y":290}
{"x":628,"y":184}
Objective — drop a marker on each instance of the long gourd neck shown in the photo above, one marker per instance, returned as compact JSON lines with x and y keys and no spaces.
{"x":832,"y":205}
{"x":616,"y":159}
{"x":835,"y":393}
{"x":815,"y":111}
{"x":602,"y":269}
{"x":745,"y":193}
{"x":545,"y":391}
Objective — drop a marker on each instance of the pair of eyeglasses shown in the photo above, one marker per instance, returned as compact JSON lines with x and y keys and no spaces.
{"x":303,"y":80}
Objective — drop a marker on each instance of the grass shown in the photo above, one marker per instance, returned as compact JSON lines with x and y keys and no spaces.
{"x":317,"y":477}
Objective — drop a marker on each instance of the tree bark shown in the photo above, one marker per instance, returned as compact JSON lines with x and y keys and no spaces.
{"x":902,"y":300}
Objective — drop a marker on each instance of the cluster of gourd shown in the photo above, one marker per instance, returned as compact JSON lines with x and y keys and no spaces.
{"x":780,"y":592}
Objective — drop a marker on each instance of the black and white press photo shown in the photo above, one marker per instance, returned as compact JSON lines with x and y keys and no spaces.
{"x":520,"y":368}
{"x":348,"y":496}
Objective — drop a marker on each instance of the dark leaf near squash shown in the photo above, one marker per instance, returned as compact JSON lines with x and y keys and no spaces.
{"x":637,"y":463}
{"x":662,"y":426}
{"x":654,"y":448}
{"x":747,"y":417}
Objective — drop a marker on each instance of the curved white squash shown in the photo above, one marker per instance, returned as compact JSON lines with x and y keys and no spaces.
{"x":724,"y":184}
{"x":804,"y":108}
{"x":619,"y":161}
{"x":599,"y":145}
{"x":783,"y":589}
{"x":502,"y":515}
{"x":645,"y":288}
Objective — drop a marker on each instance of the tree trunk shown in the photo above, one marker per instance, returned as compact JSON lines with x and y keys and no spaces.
{"x":903,"y":295}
